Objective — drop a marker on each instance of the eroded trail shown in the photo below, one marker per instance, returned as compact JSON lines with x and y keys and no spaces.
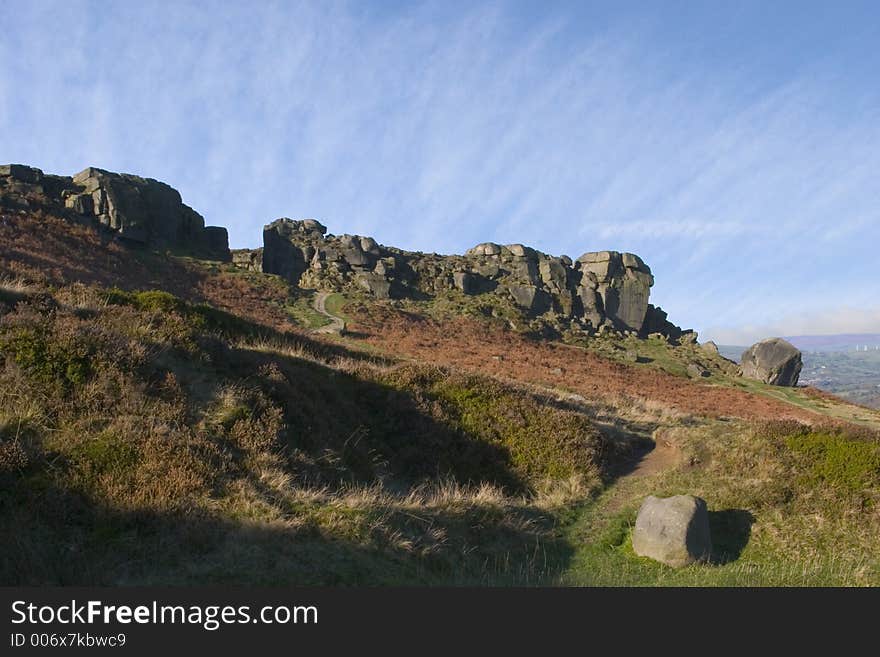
{"x":337,"y":324}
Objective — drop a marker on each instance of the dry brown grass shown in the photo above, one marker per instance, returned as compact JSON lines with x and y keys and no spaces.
{"x":479,"y":346}
{"x":170,"y":431}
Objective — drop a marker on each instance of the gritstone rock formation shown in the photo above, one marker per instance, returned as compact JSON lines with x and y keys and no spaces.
{"x":140,"y":210}
{"x":774,"y":361}
{"x":674,"y":530}
{"x":601,"y":290}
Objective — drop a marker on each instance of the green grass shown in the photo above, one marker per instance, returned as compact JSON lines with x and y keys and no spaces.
{"x":787,"y":508}
{"x":335,"y":305}
{"x":303,"y":312}
{"x":195,"y":449}
{"x":186,"y":455}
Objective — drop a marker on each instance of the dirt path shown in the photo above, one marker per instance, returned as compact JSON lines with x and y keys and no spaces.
{"x":663,"y":456}
{"x":337,"y":324}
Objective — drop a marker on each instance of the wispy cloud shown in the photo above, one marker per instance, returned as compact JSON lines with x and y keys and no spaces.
{"x":435,"y":129}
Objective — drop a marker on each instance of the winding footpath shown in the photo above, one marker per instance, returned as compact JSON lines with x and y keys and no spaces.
{"x":336,"y":325}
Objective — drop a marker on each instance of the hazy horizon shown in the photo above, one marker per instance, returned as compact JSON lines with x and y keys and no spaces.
{"x":736,"y":150}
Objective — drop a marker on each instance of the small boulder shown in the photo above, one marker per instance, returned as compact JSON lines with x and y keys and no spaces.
{"x":485,"y":249}
{"x":533,"y":299}
{"x":369,"y":245}
{"x":697,"y":371}
{"x":774,"y":361}
{"x":375,"y":285}
{"x":313,"y":226}
{"x":673,"y":530}
{"x":688,"y":337}
{"x":518,"y":250}
{"x":710,"y":348}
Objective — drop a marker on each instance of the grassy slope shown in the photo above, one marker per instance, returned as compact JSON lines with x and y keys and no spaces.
{"x":782,"y":513}
{"x":145,"y":439}
{"x":238,"y":448}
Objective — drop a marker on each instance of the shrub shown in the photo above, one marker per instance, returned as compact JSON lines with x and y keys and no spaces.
{"x":38,"y":353}
{"x":199,"y":317}
{"x":540,"y":442}
{"x":838,"y":460}
{"x":105,"y":453}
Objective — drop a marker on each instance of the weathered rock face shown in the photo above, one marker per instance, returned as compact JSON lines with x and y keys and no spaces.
{"x":774,"y":361}
{"x":138,"y":209}
{"x":605,"y":289}
{"x":623,"y":283}
{"x":248,"y":259}
{"x":674,"y":530}
{"x":301,"y":252}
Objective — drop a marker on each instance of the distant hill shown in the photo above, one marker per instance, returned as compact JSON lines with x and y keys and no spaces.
{"x":841,"y":342}
{"x":733,"y":352}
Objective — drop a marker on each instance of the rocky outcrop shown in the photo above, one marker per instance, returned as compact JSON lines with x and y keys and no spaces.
{"x":622,"y":282}
{"x":305,"y":255}
{"x":248,"y":259}
{"x":140,"y":210}
{"x":673,"y":530}
{"x":601,"y":291}
{"x":774,"y":361}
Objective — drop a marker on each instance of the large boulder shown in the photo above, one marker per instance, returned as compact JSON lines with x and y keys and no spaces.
{"x":286,"y":247}
{"x":624,"y":282}
{"x":532,"y":299}
{"x":143,"y":210}
{"x":140,"y":210}
{"x":774,"y":361}
{"x":673,"y":530}
{"x":21,"y":173}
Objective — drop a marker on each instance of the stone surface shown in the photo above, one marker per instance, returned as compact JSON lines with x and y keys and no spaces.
{"x":774,"y":361}
{"x":248,"y":259}
{"x":485,"y":249}
{"x":465,"y":281}
{"x":603,"y":288}
{"x":673,"y":530}
{"x":623,"y":282}
{"x":137,"y":209}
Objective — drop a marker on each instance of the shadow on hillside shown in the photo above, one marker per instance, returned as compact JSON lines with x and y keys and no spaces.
{"x":731,"y":530}
{"x":362,"y":431}
{"x":630,"y":439}
{"x":56,"y":537}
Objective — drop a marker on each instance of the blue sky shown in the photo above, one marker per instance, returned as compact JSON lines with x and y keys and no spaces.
{"x":734,"y":146}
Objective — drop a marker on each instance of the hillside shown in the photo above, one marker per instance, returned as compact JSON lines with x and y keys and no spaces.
{"x":180,"y":415}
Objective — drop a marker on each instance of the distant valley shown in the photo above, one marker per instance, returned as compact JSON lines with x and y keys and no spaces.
{"x":847,"y":365}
